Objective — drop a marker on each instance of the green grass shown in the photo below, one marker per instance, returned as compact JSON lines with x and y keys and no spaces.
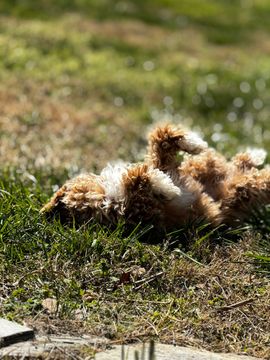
{"x":81,"y":81}
{"x":119,"y":286}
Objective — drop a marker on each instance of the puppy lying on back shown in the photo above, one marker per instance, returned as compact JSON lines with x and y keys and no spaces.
{"x":164,"y":192}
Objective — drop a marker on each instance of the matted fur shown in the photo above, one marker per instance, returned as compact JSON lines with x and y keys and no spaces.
{"x":165,"y":192}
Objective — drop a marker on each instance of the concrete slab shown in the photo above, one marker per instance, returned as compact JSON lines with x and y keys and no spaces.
{"x":167,"y":352}
{"x":44,"y":347}
{"x":12,"y":332}
{"x":70,"y":346}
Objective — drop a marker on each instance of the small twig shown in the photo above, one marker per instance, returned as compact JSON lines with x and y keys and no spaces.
{"x":248,"y":319}
{"x":152,"y":326}
{"x":235,"y":305}
{"x":149,"y":278}
{"x":147,"y":281}
{"x":16,"y":283}
{"x":162,"y":320}
{"x":188,"y":257}
{"x":148,"y":301}
{"x":223,"y":291}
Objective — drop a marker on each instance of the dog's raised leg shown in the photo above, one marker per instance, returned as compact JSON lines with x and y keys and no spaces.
{"x":165,"y":142}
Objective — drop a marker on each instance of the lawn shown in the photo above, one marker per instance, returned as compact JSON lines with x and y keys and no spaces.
{"x":81,"y":83}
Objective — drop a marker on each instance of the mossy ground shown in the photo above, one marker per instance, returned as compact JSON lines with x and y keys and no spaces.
{"x":80,"y":84}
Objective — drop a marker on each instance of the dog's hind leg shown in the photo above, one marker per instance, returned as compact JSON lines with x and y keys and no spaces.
{"x":246,"y":193}
{"x":210,"y":169}
{"x":249,"y":159}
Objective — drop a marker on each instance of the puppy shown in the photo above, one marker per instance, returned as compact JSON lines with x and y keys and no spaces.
{"x":165,"y":192}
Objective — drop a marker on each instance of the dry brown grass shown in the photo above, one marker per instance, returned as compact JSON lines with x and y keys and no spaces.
{"x":191,"y":309}
{"x":41,"y":132}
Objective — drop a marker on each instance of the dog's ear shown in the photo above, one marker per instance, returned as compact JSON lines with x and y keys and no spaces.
{"x":49,"y":208}
{"x":56,"y":208}
{"x":78,"y":199}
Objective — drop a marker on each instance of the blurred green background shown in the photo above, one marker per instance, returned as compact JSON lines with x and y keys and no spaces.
{"x":81,"y":80}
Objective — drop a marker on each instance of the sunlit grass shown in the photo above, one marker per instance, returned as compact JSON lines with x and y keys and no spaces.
{"x":145,"y":286}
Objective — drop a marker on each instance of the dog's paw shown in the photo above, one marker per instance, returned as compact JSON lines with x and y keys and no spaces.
{"x":192,"y":143}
